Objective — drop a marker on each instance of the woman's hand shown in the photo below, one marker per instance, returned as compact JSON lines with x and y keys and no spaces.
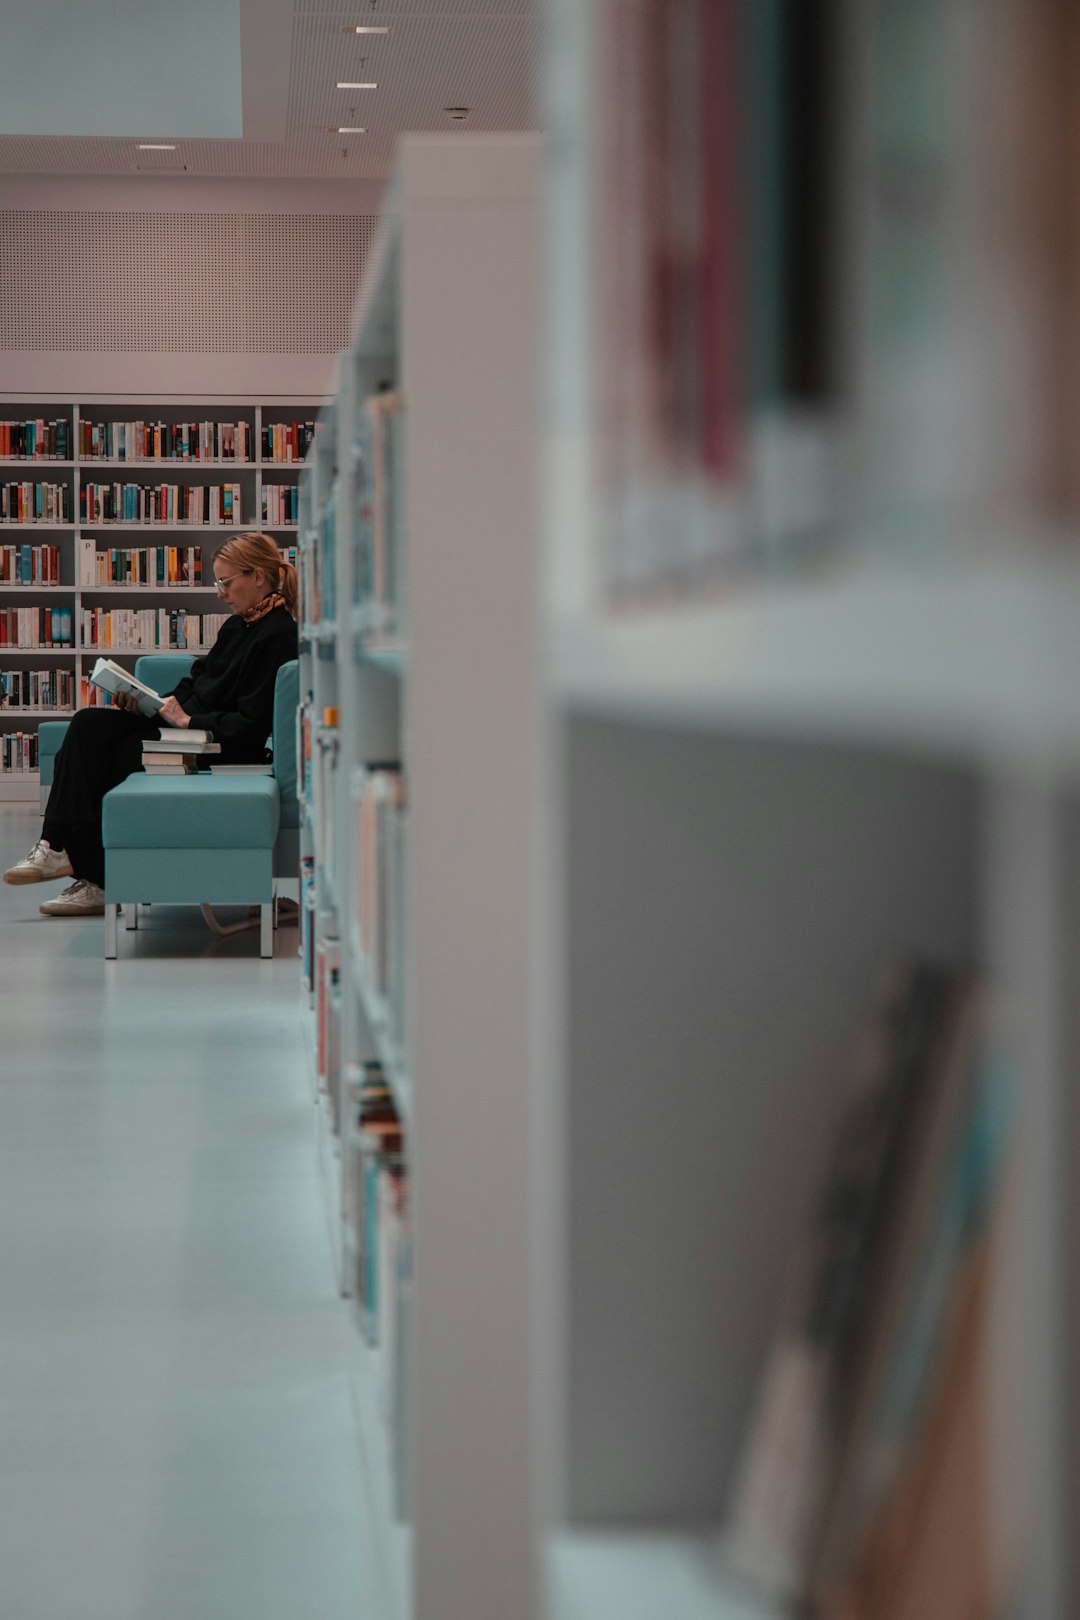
{"x":171,"y":714}
{"x":126,"y":701}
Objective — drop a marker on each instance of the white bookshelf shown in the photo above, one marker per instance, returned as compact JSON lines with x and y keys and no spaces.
{"x":433,"y":666}
{"x":978,"y":663}
{"x":754,"y":795}
{"x":642,"y":1576}
{"x":254,"y":474}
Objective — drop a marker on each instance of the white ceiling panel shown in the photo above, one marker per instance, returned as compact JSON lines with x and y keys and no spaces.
{"x":106,"y":67}
{"x":479,"y":54}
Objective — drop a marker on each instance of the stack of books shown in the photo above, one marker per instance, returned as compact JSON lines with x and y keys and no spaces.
{"x":176,"y":751}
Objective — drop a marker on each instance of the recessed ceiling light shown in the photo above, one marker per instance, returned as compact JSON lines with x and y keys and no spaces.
{"x":157,"y":146}
{"x":350,"y":129}
{"x":351,"y":84}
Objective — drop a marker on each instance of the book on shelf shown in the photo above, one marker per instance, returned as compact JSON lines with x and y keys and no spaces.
{"x":380,"y":806}
{"x":864,"y":1337}
{"x":37,"y":689}
{"x":114,"y":679}
{"x":327,"y":967}
{"x":926,"y":1550}
{"x":378,"y":1248}
{"x":382,"y":1170}
{"x":718,"y":218}
{"x":911,"y":1419}
{"x":32,"y":627}
{"x":18,"y":752}
{"x":391,"y":1206}
{"x":307,"y":924}
{"x":376,"y":1139}
{"x":144,"y":504}
{"x":287,"y":441}
{"x":142,"y":629}
{"x":30,"y":565}
{"x":37,"y":439}
{"x":34,"y":503}
{"x":138,"y":565}
{"x":378,"y":472}
{"x":86,"y":560}
{"x":164,"y":441}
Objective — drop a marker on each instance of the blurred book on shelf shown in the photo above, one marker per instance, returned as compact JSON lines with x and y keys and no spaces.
{"x":379,"y":801}
{"x":832,"y":274}
{"x":716,"y":318}
{"x":869,"y":1406}
{"x":379,"y":566}
{"x":376,"y":1208}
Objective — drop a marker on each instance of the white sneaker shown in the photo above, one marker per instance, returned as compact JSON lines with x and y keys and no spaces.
{"x":79,"y":899}
{"x":42,"y":863}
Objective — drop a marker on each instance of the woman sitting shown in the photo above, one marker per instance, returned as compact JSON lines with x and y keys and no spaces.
{"x":230,"y":693}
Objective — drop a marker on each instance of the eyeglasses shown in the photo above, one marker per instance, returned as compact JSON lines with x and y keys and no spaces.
{"x":222,"y":585}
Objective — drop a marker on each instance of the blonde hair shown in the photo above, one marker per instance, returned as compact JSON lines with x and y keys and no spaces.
{"x":246,"y":551}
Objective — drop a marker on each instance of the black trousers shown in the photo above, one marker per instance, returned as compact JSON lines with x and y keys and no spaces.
{"x":101,"y":748}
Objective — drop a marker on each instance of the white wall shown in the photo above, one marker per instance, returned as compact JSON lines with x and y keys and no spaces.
{"x":155,"y":287}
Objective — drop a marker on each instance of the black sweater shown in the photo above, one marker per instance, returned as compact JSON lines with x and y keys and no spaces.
{"x":231,"y":691}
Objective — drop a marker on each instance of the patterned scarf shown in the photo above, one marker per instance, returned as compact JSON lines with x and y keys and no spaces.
{"x":261,"y":609}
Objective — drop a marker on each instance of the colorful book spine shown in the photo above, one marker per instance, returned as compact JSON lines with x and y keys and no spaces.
{"x":148,"y":504}
{"x":164,"y":441}
{"x":34,"y":503}
{"x":36,"y":440}
{"x":18,"y":752}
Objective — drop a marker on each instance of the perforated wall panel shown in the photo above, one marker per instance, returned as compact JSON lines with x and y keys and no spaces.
{"x":185,"y":283}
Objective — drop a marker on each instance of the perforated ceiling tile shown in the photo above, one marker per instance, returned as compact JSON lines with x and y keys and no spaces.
{"x":428,"y":63}
{"x":385,"y":11}
{"x":189,"y":283}
{"x":481,"y":54}
{"x":322,"y":154}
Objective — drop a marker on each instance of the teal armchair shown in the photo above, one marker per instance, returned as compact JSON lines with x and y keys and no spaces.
{"x":205,"y":839}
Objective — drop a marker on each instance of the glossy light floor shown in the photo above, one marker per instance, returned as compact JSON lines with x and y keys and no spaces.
{"x":177,"y":1437}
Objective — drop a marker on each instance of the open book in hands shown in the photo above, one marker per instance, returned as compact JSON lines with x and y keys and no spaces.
{"x":112,"y":678}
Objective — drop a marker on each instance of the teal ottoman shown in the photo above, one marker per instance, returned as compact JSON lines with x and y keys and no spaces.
{"x":191,"y":840}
